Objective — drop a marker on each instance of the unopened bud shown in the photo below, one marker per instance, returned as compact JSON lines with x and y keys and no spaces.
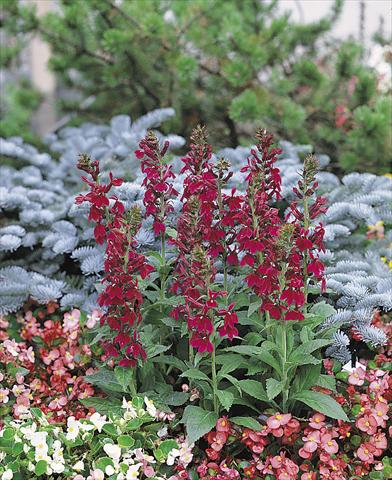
{"x":199,"y":135}
{"x":84,"y":162}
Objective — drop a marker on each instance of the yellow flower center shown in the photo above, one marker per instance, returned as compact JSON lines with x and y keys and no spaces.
{"x":330,"y":443}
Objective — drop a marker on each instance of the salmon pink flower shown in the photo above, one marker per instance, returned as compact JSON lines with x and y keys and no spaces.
{"x":380,"y":413}
{"x":365,"y":453}
{"x":367,"y":424}
{"x":223,"y":425}
{"x":312,"y":441}
{"x":317,"y":421}
{"x":357,"y":377}
{"x":278,"y":420}
{"x":329,"y":444}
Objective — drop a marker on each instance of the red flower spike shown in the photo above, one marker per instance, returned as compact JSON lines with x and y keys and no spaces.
{"x":122,"y":264}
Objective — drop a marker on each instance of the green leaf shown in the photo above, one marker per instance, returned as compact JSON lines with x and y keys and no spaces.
{"x":308,"y":360}
{"x":260,"y":352}
{"x":322,"y":403}
{"x":105,"y":379}
{"x":267,"y":345}
{"x":17,"y":449}
{"x":270,"y":360}
{"x":247,"y":422}
{"x":102,"y":405}
{"x":173,"y":398}
{"x":245,"y":349}
{"x":327,"y":381}
{"x":167,"y":446}
{"x":110,"y":429}
{"x":198,"y":422}
{"x":124,"y":375}
{"x":253,"y":338}
{"x":195,"y":374}
{"x":229,"y":363}
{"x":125,"y":441}
{"x":322,"y":309}
{"x":233,"y":381}
{"x":308,"y":348}
{"x":170,"y":360}
{"x":171,"y":232}
{"x":104,"y":462}
{"x":273,"y":388}
{"x":254,"y":307}
{"x":40,"y":467}
{"x":154,"y":350}
{"x":306,"y":377}
{"x":254,"y":389}
{"x":226,"y":399}
{"x":134,"y":424}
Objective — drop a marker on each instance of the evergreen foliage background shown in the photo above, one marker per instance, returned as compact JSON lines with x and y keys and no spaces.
{"x":223,"y":63}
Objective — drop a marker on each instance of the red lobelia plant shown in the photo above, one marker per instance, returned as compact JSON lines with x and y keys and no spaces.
{"x":123,"y":264}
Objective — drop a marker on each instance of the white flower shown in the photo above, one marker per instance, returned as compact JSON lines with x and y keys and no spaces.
{"x":113,"y":451}
{"x":7,"y":475}
{"x":29,"y":431}
{"x":109,"y":470}
{"x":151,"y":409}
{"x":186,"y":457}
{"x":162,"y":432}
{"x":133,"y":471}
{"x":73,"y":428}
{"x":57,"y":467}
{"x":98,"y":421}
{"x":58,"y":455}
{"x":38,"y":440}
{"x":172,"y":455}
{"x":130,"y":411}
{"x":96,"y":474}
{"x":41,"y":455}
{"x":140,"y":455}
{"x":79,"y":466}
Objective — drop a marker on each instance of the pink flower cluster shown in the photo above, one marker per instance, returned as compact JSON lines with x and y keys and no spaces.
{"x":372,"y":417}
{"x":288,"y":448}
{"x":46,"y":370}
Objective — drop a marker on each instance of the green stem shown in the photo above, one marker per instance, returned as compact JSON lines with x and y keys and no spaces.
{"x":132,"y":386}
{"x":214,"y":382}
{"x":191,"y":354}
{"x":163,"y":265}
{"x":225,"y":285}
{"x":284,"y":366}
